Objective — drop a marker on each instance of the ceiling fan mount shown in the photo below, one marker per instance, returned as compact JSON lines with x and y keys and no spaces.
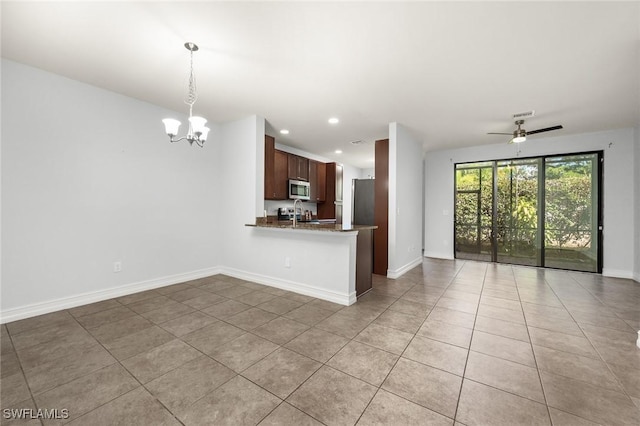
{"x":520,"y":135}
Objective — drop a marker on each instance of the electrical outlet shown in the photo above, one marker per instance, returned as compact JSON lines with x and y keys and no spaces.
{"x":117,"y":266}
{"x":287,"y":262}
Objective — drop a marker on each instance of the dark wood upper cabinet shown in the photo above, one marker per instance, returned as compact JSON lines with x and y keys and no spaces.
{"x":275,"y":171}
{"x":298,"y":167}
{"x":327,"y":210}
{"x":280,"y":166}
{"x":322,"y":182}
{"x":317,"y":181}
{"x":281,"y":178}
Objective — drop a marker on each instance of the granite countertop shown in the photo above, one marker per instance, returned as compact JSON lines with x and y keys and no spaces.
{"x":327,"y":227}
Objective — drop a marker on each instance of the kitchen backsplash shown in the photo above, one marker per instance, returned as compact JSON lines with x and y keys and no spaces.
{"x":272,"y":206}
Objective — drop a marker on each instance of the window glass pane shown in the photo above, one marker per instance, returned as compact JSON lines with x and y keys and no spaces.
{"x":571,"y":237}
{"x":517,"y":212}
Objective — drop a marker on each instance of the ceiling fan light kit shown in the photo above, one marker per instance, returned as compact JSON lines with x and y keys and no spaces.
{"x":519,"y":135}
{"x":198,"y":131}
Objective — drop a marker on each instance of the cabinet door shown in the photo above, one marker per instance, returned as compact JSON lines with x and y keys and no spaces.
{"x":321,"y":176}
{"x":280,"y":175}
{"x":317,"y":181}
{"x":313,"y":180}
{"x":327,"y":210}
{"x":292,"y":170}
{"x":269,"y":168}
{"x":303,"y":168}
{"x":298,"y":167}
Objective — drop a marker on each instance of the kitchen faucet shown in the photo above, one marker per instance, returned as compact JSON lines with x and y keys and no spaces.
{"x":295,"y":213}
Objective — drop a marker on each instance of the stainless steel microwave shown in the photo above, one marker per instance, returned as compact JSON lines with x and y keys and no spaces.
{"x":299,"y":189}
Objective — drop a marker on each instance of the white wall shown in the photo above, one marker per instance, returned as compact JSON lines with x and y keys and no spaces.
{"x":89,"y":178}
{"x":618,"y":194}
{"x":636,"y":209}
{"x":405,"y":200}
{"x":368,"y":173}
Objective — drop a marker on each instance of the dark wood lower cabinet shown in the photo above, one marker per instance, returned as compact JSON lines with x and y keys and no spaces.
{"x":364,"y":261}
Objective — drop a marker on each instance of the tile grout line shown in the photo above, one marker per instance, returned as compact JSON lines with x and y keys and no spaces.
{"x":584,"y":335}
{"x":617,"y":380}
{"x":533,"y":353}
{"x":466,"y":361}
{"x":141,"y":385}
{"x":116,"y":361}
{"x":400,"y":356}
{"x":24,"y":376}
{"x":408,"y":344}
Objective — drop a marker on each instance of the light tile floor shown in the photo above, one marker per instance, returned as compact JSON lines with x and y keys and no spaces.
{"x":461,"y":341}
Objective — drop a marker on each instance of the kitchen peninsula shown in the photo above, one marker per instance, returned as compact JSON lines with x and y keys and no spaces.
{"x":341,"y":254}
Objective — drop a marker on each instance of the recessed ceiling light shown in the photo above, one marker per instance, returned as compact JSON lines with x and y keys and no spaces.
{"x":338,"y":151}
{"x":284,"y":131}
{"x":333,"y":120}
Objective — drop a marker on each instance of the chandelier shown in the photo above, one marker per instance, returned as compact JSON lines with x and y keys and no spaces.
{"x":197,"y":130}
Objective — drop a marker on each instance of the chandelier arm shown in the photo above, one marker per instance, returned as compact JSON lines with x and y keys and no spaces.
{"x":172,"y":140}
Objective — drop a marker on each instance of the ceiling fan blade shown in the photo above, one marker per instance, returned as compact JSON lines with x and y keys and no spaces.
{"x":500,"y":133}
{"x":547,"y":129}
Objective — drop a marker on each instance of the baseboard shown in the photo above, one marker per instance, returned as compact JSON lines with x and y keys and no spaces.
{"x":331,"y":296}
{"x":636,"y":277}
{"x":436,"y":255}
{"x":617,"y":273}
{"x":98,"y":296}
{"x":397,"y":273}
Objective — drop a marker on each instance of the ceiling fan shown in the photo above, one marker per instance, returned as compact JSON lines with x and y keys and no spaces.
{"x":520,"y":134}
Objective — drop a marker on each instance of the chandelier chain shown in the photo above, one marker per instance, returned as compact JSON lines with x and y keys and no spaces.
{"x":192,"y":95}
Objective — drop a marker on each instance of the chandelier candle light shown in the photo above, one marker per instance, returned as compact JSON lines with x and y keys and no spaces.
{"x":197,"y":130}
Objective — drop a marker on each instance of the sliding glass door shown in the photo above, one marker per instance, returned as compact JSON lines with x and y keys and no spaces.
{"x":474,"y":211}
{"x":571,"y":212}
{"x":542,"y":211}
{"x":517,"y":230}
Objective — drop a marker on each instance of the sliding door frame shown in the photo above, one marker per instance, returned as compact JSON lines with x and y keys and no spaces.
{"x":598,"y":232}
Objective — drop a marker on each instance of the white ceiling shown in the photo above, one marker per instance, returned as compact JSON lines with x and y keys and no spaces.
{"x":450,"y":71}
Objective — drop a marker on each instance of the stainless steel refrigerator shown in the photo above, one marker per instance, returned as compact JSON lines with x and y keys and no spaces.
{"x":362,"y":191}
